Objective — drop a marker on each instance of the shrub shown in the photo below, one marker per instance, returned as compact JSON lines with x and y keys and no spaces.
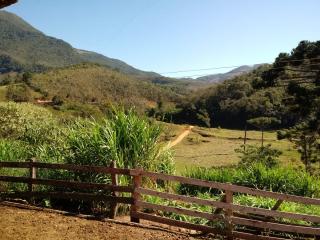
{"x":27,"y":122}
{"x":18,"y":93}
{"x":253,"y":154}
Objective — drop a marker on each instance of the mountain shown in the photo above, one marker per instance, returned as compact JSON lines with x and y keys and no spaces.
{"x":224,"y":76}
{"x":24,"y":48}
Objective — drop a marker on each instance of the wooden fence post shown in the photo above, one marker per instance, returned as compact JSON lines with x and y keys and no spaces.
{"x":114,"y":181}
{"x":32,"y":175}
{"x":228,"y":215}
{"x":137,"y":180}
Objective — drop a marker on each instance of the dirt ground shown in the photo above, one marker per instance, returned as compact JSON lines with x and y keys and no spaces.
{"x":17,"y":223}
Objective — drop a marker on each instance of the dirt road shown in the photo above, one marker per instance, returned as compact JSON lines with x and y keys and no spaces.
{"x":26,"y":224}
{"x":181,"y":137}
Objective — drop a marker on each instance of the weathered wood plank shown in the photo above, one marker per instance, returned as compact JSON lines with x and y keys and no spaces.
{"x":242,"y":209}
{"x":219,"y":210}
{"x":228,"y":215}
{"x":250,"y":236}
{"x":114,"y":181}
{"x":177,"y":210}
{"x":14,"y":164}
{"x":67,"y":195}
{"x":137,"y":180}
{"x":176,"y":223}
{"x":71,"y":167}
{"x":277,"y":205}
{"x":233,"y":188}
{"x":277,"y":226}
{"x":71,"y":184}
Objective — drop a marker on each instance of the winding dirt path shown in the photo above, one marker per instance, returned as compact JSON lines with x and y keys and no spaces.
{"x":181,"y":137}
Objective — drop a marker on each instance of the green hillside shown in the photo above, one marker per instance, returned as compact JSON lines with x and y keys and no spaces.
{"x":22,"y":47}
{"x":90,"y":83}
{"x":267,"y":91}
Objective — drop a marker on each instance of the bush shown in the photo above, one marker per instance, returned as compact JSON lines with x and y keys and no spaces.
{"x":265,"y":155}
{"x":27,"y":122}
{"x":18,"y":93}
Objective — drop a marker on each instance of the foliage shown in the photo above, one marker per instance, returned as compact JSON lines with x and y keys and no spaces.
{"x":57,"y":101}
{"x":261,"y":93}
{"x":97,"y":85}
{"x":18,"y":93}
{"x":12,"y":150}
{"x":26,"y":122}
{"x":265,"y":155}
{"x":306,"y":141}
{"x":278,"y":179}
{"x":263,"y":122}
{"x":126,"y":138}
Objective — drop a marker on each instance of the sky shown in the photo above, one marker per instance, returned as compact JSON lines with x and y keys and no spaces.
{"x":175,"y":35}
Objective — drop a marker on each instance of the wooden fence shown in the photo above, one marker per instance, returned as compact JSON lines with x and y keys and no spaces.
{"x":240,"y":222}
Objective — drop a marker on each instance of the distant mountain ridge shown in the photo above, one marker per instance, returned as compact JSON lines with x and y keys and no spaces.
{"x":24,"y":48}
{"x":219,"y":77}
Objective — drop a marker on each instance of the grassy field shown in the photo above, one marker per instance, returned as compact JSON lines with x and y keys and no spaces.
{"x":3,"y":91}
{"x":212,"y":147}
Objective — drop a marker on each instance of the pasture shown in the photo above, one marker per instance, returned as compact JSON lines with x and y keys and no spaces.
{"x":215,"y":147}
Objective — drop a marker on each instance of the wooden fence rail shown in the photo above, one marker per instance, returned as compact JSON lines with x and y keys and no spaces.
{"x":240,"y":222}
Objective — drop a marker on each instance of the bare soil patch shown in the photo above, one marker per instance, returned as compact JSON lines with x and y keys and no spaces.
{"x":16,"y":223}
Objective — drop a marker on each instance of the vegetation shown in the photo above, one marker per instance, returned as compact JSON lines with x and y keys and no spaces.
{"x":264,"y":92}
{"x":264,"y":155}
{"x":31,"y":131}
{"x":94,"y":84}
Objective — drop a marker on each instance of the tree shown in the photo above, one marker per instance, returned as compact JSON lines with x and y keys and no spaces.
{"x":306,"y":139}
{"x":26,"y":78}
{"x":263,"y":123}
{"x":57,"y":101}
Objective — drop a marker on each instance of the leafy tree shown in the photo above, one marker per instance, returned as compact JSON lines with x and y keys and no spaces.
{"x":26,"y":78}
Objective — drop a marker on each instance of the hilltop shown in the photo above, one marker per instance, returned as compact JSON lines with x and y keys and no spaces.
{"x":219,"y":77}
{"x":24,"y":48}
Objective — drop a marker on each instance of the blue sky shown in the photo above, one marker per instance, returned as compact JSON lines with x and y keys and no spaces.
{"x":172,"y":35}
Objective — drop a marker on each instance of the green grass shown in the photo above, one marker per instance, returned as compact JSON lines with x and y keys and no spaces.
{"x":214,"y":147}
{"x":3,"y":92}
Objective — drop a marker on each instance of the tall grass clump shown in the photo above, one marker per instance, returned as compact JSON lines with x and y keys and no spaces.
{"x":259,"y":168}
{"x":281,"y":179}
{"x":129,"y":140}
{"x":223,"y":175}
{"x":11,"y":151}
{"x":126,"y":138}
